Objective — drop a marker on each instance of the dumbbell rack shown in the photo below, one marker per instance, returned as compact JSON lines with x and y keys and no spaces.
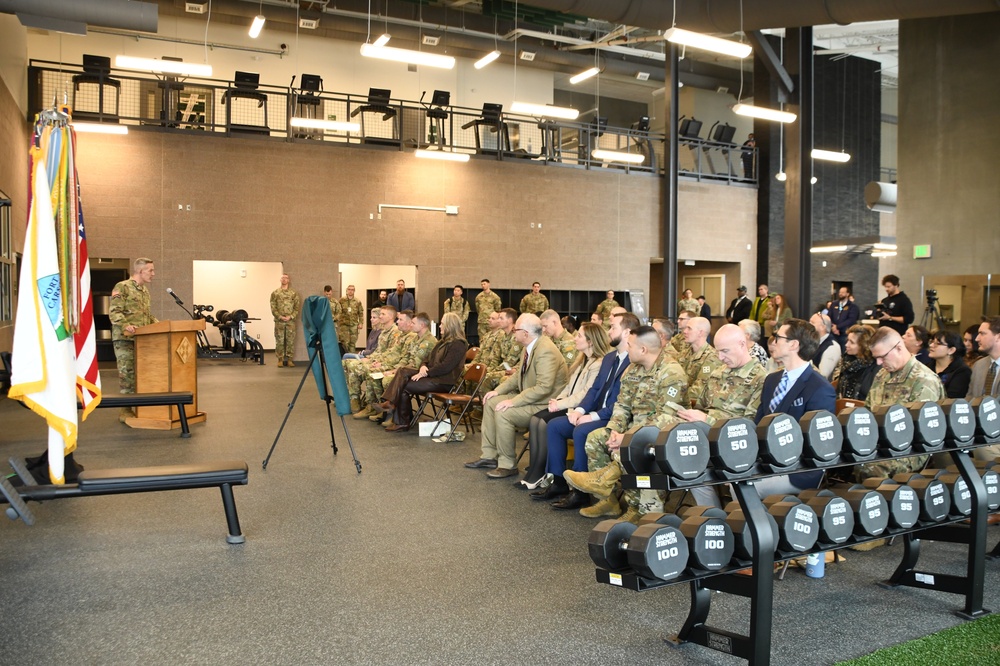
{"x":759,"y":586}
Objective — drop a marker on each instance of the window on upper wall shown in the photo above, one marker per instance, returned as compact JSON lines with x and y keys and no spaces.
{"x":8,"y":263}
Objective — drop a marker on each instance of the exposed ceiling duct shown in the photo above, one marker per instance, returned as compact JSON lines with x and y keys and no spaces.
{"x":723,"y":16}
{"x":75,"y":16}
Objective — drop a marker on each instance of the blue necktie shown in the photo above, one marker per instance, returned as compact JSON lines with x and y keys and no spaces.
{"x":779,"y":393}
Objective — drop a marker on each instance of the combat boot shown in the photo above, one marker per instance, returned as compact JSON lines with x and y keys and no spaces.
{"x":355,"y":406}
{"x":599,"y":482}
{"x":363,"y":413}
{"x":606,"y":507}
{"x":631,"y":516}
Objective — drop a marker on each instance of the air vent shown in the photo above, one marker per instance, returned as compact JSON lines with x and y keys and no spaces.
{"x":195,"y":7}
{"x":642,"y":76}
{"x":430,"y":40}
{"x":308,"y":23}
{"x":527,"y":55}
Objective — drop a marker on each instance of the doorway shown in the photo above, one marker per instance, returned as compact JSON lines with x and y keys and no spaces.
{"x":239,"y":285}
{"x":371,"y":278}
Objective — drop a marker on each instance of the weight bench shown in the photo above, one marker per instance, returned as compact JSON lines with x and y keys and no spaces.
{"x":223,"y":475}
{"x":176,"y":398}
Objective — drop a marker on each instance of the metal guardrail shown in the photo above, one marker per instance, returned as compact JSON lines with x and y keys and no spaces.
{"x":207,"y":105}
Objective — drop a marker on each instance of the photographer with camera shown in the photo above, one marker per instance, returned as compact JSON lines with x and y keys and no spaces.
{"x":895,"y":310}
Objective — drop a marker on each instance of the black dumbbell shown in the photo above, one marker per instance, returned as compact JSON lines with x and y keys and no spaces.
{"x":860,"y":433}
{"x":987,"y":411}
{"x":652,"y":550}
{"x":871,"y":512}
{"x":636,"y":450}
{"x":988,"y":470}
{"x":904,"y":505}
{"x":934,"y":498}
{"x":798,"y":525}
{"x":780,"y":438}
{"x":740,"y":526}
{"x":929,"y":426}
{"x":823,"y":436}
{"x":958,"y":490}
{"x":960,"y":420}
{"x":836,"y":518}
{"x":710,"y":541}
{"x":734,"y":446}
{"x":682,"y":450}
{"x":895,"y":429}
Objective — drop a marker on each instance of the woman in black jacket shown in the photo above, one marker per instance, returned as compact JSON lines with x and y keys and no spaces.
{"x":856,"y":370}
{"x":439,"y":373}
{"x":948,"y":352}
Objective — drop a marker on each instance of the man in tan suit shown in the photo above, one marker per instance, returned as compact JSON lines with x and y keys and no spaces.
{"x":539,"y":376}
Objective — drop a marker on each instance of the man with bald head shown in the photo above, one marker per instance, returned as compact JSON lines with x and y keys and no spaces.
{"x":539,"y":376}
{"x":701,"y":360}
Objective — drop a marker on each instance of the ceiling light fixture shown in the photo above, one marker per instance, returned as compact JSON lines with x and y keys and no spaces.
{"x":100,"y":128}
{"x":616,"y":156}
{"x":828,"y":248}
{"x":441,"y":155}
{"x":885,"y":246}
{"x":163,"y":66}
{"x":884,"y":253}
{"x":408,"y":56}
{"x":584,"y":75}
{"x":486,"y":59}
{"x":257,"y":26}
{"x":829,"y":155}
{"x":382,"y":40}
{"x":698,"y":40}
{"x":545,"y":110}
{"x":763,"y":113}
{"x":781,"y":176}
{"x":332,"y":125}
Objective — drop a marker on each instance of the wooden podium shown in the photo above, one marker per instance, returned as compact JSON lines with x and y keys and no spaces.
{"x":166,"y":359}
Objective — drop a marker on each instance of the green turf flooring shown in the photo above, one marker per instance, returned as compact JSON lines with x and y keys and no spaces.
{"x":971,"y":644}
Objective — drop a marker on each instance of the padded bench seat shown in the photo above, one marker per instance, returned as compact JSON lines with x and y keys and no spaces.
{"x":177,"y":398}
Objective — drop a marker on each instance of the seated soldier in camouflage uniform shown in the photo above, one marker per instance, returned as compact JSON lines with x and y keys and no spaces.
{"x":381,"y":363}
{"x":902,"y":379}
{"x":356,"y":369}
{"x":665,"y":329}
{"x":702,"y":360}
{"x":681,"y":348}
{"x":417,"y":346}
{"x":130,"y":310}
{"x":552,"y":327}
{"x":651,"y":381}
{"x":506,"y":354}
{"x":534,"y":303}
{"x":489,"y":341}
{"x":731,"y":391}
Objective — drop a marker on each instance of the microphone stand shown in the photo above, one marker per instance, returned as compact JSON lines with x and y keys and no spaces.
{"x":180,"y":304}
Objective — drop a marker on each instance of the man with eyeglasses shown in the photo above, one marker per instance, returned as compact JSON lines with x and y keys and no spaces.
{"x":902,"y":379}
{"x":680,"y":348}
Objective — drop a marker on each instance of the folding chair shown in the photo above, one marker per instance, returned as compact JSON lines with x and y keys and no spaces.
{"x":474,"y":378}
{"x":470,"y":355}
{"x":455,"y":388}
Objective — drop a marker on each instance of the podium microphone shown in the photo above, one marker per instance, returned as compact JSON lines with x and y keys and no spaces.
{"x":178,"y":300}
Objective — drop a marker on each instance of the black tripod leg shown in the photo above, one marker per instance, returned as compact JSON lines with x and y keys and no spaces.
{"x":327,"y":398}
{"x":312,"y":359}
{"x":357,"y":463}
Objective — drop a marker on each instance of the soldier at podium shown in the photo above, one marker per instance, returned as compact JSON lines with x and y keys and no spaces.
{"x":130,"y":310}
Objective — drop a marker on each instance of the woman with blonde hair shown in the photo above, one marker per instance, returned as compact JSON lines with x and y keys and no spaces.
{"x":779,"y":312}
{"x":593,"y":343}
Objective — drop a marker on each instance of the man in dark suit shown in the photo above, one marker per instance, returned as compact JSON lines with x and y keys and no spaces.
{"x":986,"y":374}
{"x":843,"y":314}
{"x":539,"y":376}
{"x":401,"y":299}
{"x":739,"y":309}
{"x":592,"y":413}
{"x":706,"y":309}
{"x":795,"y":390}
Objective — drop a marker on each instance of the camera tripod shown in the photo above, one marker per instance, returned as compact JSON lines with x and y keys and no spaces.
{"x":932,"y":316}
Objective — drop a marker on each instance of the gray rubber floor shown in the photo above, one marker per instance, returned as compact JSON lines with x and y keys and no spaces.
{"x":417,"y":560}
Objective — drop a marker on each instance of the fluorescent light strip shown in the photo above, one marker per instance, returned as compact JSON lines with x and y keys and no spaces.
{"x":828,"y":248}
{"x":257,"y":26}
{"x":382,"y":40}
{"x":884,"y":253}
{"x":829,"y":155}
{"x":441,"y":155}
{"x":407,"y":56}
{"x":333,"y":125}
{"x":615,"y":156}
{"x":706,"y":42}
{"x":884,"y":246}
{"x":584,"y":75}
{"x":487,"y":59}
{"x":763,"y":113}
{"x":100,"y":128}
{"x":546,"y":110}
{"x":163,"y":66}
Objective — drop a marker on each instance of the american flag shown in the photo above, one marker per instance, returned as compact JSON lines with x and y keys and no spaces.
{"x":88,"y":378}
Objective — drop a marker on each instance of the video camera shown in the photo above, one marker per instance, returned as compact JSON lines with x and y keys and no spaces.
{"x":932,"y":296}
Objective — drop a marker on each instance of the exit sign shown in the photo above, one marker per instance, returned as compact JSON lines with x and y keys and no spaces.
{"x":921,"y":251}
